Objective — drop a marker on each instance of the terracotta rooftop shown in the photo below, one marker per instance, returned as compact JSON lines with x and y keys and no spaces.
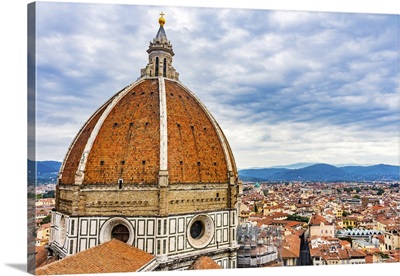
{"x":44,"y":226}
{"x":204,"y":262}
{"x":295,"y":223}
{"x":376,"y":208}
{"x":355,"y":253}
{"x":345,"y":243}
{"x":41,"y":257}
{"x":291,"y":246}
{"x":317,"y":219}
{"x":109,"y":257}
{"x":332,"y":249}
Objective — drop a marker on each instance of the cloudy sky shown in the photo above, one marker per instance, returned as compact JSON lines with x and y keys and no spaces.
{"x":285,"y":86}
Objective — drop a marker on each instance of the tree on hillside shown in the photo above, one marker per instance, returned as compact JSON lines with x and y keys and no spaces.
{"x":298,"y":218}
{"x":46,"y":219}
{"x":49,"y":194}
{"x":380,"y":191}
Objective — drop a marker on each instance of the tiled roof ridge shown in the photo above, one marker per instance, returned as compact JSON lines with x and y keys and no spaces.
{"x":95,"y":260}
{"x":204,"y":262}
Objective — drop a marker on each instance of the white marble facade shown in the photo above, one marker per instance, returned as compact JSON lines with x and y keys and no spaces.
{"x":168,"y":238}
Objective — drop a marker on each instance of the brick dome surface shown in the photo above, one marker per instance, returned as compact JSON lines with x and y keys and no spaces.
{"x":155,"y":124}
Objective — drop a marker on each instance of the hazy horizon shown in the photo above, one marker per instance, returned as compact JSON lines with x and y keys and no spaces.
{"x":306,"y":164}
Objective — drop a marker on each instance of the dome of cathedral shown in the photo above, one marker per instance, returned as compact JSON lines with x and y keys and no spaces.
{"x":155,"y":134}
{"x":155,"y":124}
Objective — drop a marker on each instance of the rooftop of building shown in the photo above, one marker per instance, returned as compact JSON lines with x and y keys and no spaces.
{"x":204,"y":262}
{"x":109,"y":257}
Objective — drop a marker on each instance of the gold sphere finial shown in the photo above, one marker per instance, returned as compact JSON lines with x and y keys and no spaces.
{"x":162,"y":19}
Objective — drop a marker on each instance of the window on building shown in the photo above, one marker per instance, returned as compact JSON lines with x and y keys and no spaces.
{"x":72,"y":227}
{"x":71,"y":247}
{"x":197,"y":229}
{"x":165,"y":67}
{"x":157,"y":64}
{"x":120,"y":232}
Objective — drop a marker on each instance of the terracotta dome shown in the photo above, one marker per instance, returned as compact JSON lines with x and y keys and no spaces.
{"x":151,"y":149}
{"x":153,"y":125}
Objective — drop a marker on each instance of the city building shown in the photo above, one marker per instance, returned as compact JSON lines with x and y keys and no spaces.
{"x":392,"y":237}
{"x":45,"y":202}
{"x":259,"y":246}
{"x":330,"y":251}
{"x":43,"y":234}
{"x":291,"y":250}
{"x":153,"y":169}
{"x":319,"y":226}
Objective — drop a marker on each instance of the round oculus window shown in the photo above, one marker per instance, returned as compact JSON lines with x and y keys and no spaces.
{"x":120,"y":232}
{"x":197,"y":229}
{"x":200,"y":231}
{"x":117,"y":228}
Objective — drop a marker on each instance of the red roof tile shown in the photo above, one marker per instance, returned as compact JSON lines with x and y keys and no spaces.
{"x":291,"y":247}
{"x":317,"y":219}
{"x":204,"y":262}
{"x":109,"y":257}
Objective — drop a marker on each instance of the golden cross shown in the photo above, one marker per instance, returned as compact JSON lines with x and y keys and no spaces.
{"x":162,"y":14}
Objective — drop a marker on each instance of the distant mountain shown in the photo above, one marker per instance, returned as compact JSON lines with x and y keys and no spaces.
{"x":374,"y":172}
{"x":260,"y":174}
{"x":47,"y":171}
{"x":323,"y":172}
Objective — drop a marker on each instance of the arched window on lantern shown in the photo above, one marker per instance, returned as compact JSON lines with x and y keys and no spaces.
{"x":165,"y":68}
{"x":157,"y":65}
